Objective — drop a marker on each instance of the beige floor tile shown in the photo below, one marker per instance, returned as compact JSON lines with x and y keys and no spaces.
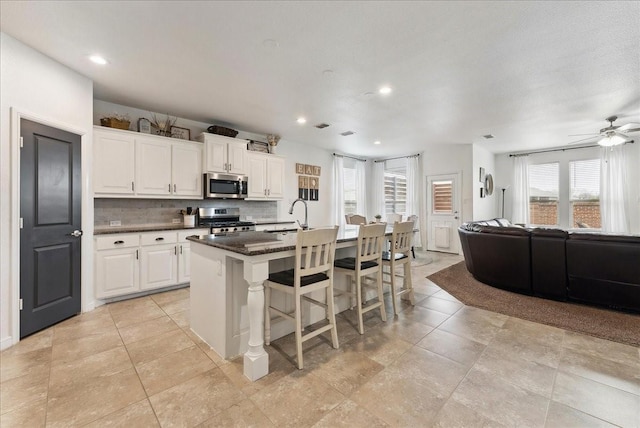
{"x":539,"y":350}
{"x":72,"y":374}
{"x":425,"y":316}
{"x":496,"y":399}
{"x":81,"y":347}
{"x":618,"y":352}
{"x":602,"y":401}
{"x":475,"y":324}
{"x":534,"y":377}
{"x":454,"y":414}
{"x":175,"y":306}
{"x":146,"y":329}
{"x":43,"y":339}
{"x":308,"y":400}
{"x":24,"y":390}
{"x":129,"y":312}
{"x":170,"y":296}
{"x":20,"y":364}
{"x":621,"y":376}
{"x":561,"y":416}
{"x":446,"y":296}
{"x":406,"y":330}
{"x":456,"y":348}
{"x":349,"y":415}
{"x":196,"y":400}
{"x":181,"y":318}
{"x":380,"y":346}
{"x":149,"y":349}
{"x":213,"y":355}
{"x":84,"y":325}
{"x":441,"y":305}
{"x":346,"y":370}
{"x":172,"y":369}
{"x":242,"y":414}
{"x":138,"y":415}
{"x":30,"y":415}
{"x":93,"y":400}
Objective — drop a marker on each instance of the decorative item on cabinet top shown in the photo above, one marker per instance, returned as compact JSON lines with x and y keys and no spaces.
{"x":258,"y":146}
{"x":163,"y":127}
{"x":115,"y":120}
{"x":221,"y":130}
{"x":273,"y":142}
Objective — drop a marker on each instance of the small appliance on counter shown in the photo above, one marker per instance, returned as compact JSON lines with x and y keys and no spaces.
{"x":223,"y":220}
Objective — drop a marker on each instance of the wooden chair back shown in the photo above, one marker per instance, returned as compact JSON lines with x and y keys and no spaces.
{"x":315,"y":251}
{"x":355,"y":219}
{"x":370,"y":242}
{"x":401,"y":238}
{"x":394,"y":218}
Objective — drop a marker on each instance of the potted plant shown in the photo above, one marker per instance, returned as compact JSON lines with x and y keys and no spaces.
{"x":378,"y":218}
{"x":115,"y":120}
{"x":273,"y":142}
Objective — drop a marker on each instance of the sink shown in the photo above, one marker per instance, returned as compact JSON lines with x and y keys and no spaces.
{"x":282,"y":230}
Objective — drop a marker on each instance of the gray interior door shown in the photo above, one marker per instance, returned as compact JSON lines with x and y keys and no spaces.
{"x":50,"y":203}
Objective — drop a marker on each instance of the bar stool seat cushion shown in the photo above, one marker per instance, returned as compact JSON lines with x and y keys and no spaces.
{"x":386,"y":255}
{"x":286,"y":277}
{"x":350,"y":263}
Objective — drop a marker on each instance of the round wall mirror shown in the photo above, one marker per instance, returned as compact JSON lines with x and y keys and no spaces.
{"x":488,"y":184}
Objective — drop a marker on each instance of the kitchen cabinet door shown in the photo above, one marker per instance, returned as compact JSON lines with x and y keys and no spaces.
{"x":257,"y":167}
{"x":275,"y":178}
{"x":158,"y":266}
{"x":236,"y":155}
{"x":113,"y":163}
{"x":117,"y":272}
{"x":186,"y":171}
{"x":184,"y":262}
{"x":216,"y":155}
{"x":153,"y":167}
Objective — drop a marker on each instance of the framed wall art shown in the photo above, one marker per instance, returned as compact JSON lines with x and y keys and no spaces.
{"x":182,"y":133}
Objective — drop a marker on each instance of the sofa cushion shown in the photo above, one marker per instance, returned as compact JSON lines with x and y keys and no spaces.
{"x":499,"y":230}
{"x":549,"y":233}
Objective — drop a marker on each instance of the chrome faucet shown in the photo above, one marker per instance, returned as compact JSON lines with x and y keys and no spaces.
{"x":304,"y":225}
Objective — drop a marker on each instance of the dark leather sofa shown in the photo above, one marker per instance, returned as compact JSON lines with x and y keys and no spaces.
{"x":591,"y":268}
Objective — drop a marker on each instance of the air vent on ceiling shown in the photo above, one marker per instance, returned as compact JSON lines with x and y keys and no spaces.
{"x":322,"y":125}
{"x":487,"y":137}
{"x":347,"y":133}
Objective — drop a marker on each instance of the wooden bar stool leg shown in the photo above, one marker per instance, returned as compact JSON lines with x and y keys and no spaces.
{"x":408,"y":284}
{"x":359,"y":303}
{"x":331,"y":316}
{"x":393,"y":287}
{"x":299,"y":330}
{"x":383,"y":313}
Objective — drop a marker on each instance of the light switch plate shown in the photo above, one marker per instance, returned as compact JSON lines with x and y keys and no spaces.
{"x":115,"y":223}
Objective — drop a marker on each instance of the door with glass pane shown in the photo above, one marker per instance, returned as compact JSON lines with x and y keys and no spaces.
{"x":443,"y":213}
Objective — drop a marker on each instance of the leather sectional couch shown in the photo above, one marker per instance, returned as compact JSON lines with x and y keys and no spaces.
{"x":592,"y":268}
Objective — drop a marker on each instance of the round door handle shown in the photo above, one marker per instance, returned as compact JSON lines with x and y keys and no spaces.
{"x":76,"y":233}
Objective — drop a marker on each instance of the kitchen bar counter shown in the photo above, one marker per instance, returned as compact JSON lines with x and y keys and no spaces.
{"x":227,"y":292}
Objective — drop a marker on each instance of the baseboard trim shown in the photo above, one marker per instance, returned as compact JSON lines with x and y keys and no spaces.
{"x":6,"y":342}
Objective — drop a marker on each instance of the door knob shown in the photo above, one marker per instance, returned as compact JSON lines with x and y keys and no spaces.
{"x":76,"y":233}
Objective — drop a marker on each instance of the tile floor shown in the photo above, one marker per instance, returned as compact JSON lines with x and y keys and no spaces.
{"x":440,"y":363}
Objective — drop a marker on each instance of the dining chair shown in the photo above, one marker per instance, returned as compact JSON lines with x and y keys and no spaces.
{"x":355,"y":219}
{"x":367,"y":262}
{"x":393,"y":218}
{"x":315,"y":252}
{"x":398,"y":256}
{"x":414,"y":220}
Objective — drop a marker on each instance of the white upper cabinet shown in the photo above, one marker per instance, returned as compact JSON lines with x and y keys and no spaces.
{"x":266,"y":176}
{"x":130,"y":164}
{"x":224,"y":154}
{"x":113,"y":163}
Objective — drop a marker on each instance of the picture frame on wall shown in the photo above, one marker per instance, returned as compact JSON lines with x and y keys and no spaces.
{"x":299,"y":168}
{"x":308,"y":169}
{"x":303,"y":187}
{"x":316,"y":171}
{"x":314,"y":188}
{"x":182,"y":133}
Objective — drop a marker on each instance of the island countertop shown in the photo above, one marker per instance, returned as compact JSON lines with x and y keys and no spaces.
{"x":257,"y":243}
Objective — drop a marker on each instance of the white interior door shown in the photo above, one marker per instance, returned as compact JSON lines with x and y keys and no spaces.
{"x":443,"y":213}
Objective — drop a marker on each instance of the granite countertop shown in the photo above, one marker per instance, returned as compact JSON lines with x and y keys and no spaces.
{"x":256,"y":243}
{"x":263,"y":222}
{"x":134,"y":228}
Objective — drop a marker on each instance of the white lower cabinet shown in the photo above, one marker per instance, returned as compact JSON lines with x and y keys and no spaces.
{"x":131,"y":263}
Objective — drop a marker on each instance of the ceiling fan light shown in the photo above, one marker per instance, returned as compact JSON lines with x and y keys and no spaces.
{"x":612,"y":140}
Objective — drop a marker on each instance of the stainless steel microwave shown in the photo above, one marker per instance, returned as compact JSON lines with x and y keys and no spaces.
{"x":225,"y":186}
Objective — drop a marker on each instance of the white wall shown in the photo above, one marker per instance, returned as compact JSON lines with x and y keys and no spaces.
{"x":39,"y":88}
{"x":487,"y":207}
{"x":504,"y":172}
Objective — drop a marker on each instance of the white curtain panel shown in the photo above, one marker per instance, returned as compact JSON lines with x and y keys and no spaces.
{"x":377,"y":191}
{"x":413,"y":193}
{"x":612,"y":190}
{"x":338,"y":191}
{"x":520,"y":190}
{"x":361,"y":188}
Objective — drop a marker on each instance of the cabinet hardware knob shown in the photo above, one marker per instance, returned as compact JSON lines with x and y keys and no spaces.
{"x":175,"y":250}
{"x":169,"y":187}
{"x":160,"y":239}
{"x":118,"y":242}
{"x":137,"y":254}
{"x":132,"y":188}
{"x":180,"y":249}
{"x":174,"y":188}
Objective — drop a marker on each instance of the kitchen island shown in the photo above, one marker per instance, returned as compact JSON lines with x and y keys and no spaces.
{"x":227,"y":293}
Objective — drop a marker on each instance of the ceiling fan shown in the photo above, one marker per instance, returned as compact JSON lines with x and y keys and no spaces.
{"x":612,"y":135}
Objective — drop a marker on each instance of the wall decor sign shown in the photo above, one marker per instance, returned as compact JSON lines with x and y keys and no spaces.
{"x":314,"y":188}
{"x":305,"y":169}
{"x":299,"y":168}
{"x":144,"y":125}
{"x":182,"y":133}
{"x":303,"y":187}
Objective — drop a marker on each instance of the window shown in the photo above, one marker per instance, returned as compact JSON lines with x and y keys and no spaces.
{"x":543,"y":193}
{"x":442,"y":197}
{"x":350,"y":199}
{"x":395,"y":190}
{"x":584,"y":196}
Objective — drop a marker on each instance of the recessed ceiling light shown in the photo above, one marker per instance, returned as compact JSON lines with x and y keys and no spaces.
{"x":322,"y":125}
{"x":347,"y":133}
{"x":376,"y":142}
{"x":488,"y":136}
{"x":385,"y":90}
{"x":98,"y":59}
{"x":301,"y":120}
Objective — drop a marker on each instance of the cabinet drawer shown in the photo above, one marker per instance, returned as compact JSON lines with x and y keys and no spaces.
{"x":110,"y":242}
{"x":182,"y":236}
{"x":154,"y":238}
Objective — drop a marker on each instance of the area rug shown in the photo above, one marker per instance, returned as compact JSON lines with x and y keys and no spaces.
{"x":603,"y":323}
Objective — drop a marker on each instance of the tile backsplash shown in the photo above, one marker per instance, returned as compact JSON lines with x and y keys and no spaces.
{"x":163,"y":211}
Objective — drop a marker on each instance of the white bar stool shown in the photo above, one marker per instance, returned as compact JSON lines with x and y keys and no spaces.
{"x":399,"y":255}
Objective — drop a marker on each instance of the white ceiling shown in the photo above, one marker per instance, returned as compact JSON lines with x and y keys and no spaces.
{"x":529,"y":73}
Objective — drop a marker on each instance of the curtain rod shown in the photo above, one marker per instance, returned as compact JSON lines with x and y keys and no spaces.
{"x":350,"y":157}
{"x":560,"y":150}
{"x":399,"y":157}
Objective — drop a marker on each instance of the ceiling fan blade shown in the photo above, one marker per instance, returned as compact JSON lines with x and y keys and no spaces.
{"x":584,"y":140}
{"x":629,"y":127}
{"x":580,"y":135}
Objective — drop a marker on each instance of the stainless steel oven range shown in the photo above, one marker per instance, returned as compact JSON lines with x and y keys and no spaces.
{"x":223,"y":220}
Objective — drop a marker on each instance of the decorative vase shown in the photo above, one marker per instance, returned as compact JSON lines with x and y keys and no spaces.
{"x":272,"y":149}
